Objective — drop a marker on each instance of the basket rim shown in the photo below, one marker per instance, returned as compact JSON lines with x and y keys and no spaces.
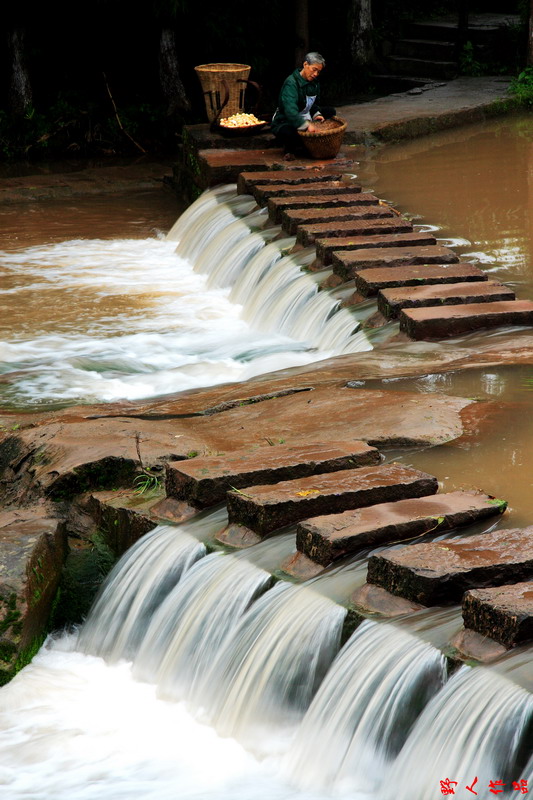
{"x":222,"y":67}
{"x":339,"y":129}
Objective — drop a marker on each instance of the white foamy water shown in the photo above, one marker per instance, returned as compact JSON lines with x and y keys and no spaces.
{"x":103,"y":320}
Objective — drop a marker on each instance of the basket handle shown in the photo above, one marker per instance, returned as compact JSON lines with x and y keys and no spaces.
{"x":225,"y":86}
{"x":258,"y":89}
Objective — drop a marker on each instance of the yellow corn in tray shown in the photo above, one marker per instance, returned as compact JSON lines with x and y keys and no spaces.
{"x":240,"y":121}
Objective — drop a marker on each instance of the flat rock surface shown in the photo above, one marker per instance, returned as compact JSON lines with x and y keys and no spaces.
{"x":204,"y":481}
{"x":505,"y":613}
{"x":347,"y":263}
{"x":309,"y":174}
{"x":369,"y":281}
{"x":263,"y":193}
{"x":327,"y":538}
{"x":327,"y":246}
{"x":293,"y":217}
{"x":391,"y":301}
{"x":442,"y":571}
{"x":318,"y":203}
{"x":266,"y":508}
{"x":307,"y":234}
{"x":439,"y":323}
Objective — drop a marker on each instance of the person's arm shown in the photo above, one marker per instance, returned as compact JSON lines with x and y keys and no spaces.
{"x":289,"y":105}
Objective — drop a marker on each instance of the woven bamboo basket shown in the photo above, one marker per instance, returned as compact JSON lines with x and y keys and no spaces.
{"x":223,"y":86}
{"x":326,"y":142}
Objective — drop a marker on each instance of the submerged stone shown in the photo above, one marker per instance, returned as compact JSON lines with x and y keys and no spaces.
{"x":327,"y":538}
{"x":204,"y":481}
{"x":266,"y":508}
{"x":443,"y":571}
{"x":504,"y":613}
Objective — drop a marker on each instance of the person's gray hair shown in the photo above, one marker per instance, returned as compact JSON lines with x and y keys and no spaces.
{"x":315,"y":58}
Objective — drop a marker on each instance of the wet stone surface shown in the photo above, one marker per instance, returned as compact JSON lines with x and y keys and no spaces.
{"x":327,"y":538}
{"x":504,"y":613}
{"x":370,"y":281}
{"x":346,"y":264}
{"x":294,"y":177}
{"x":439,"y":323}
{"x":307,"y":234}
{"x":266,"y":508}
{"x":319,"y":203}
{"x":294,"y":217}
{"x":204,"y":481}
{"x":327,"y":248}
{"x":443,"y":571}
{"x":263,"y":193}
{"x":391,"y":301}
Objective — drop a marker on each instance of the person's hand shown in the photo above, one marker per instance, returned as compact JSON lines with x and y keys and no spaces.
{"x":318,"y":118}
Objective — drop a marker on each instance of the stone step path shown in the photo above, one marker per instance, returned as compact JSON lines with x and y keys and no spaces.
{"x":439,"y":323}
{"x":441,"y":572}
{"x":264,"y":508}
{"x":392,"y":301}
{"x":293,"y":219}
{"x":308,"y":234}
{"x":369,"y":282}
{"x":327,"y":247}
{"x":264,"y":192}
{"x":504,"y":613}
{"x":203,"y":481}
{"x":327,"y":538}
{"x":347,"y":263}
{"x":365,"y":240}
{"x":316,"y":203}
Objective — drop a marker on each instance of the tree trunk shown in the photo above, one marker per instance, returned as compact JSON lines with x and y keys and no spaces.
{"x":530,"y":36}
{"x":169,"y":74}
{"x":301,"y":31}
{"x":20,"y":93}
{"x":361,"y":45}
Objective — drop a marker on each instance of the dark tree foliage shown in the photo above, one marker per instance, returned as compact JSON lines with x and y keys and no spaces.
{"x":73,"y":83}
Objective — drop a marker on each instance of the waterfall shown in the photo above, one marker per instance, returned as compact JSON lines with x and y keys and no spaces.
{"x":478,"y":727}
{"x":364,"y":709}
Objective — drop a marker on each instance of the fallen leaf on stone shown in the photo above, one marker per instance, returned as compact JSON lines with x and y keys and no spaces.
{"x":307,"y":492}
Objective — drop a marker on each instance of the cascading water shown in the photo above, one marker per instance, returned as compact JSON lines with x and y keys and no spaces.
{"x":132,"y":319}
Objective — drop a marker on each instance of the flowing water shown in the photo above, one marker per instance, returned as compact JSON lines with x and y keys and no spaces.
{"x":196,"y":677}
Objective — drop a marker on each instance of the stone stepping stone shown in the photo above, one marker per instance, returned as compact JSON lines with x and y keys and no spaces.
{"x":327,"y":538}
{"x":204,"y":481}
{"x":327,"y":247}
{"x":263,"y":193}
{"x":294,"y":217}
{"x":392,"y":301}
{"x":369,"y":282}
{"x":347,"y":263}
{"x":319,"y":202}
{"x":504,"y":613}
{"x":438,"y":323}
{"x":264,"y":509}
{"x":441,"y":572}
{"x":307,"y":234}
{"x":247,"y":180}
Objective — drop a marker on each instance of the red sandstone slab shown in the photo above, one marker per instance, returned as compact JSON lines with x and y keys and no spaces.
{"x":347,"y":263}
{"x":326,"y":247}
{"x":266,"y":508}
{"x":293,"y":176}
{"x":392,"y":301}
{"x":504,"y":613}
{"x":325,"y":539}
{"x":293,"y":218}
{"x":307,"y":234}
{"x":438,"y":323}
{"x":369,"y":282}
{"x":442,"y":572}
{"x":277,"y":205}
{"x":263,"y":193}
{"x":204,"y":481}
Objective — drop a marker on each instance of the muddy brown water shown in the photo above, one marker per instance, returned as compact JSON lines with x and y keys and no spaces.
{"x":474,"y":185}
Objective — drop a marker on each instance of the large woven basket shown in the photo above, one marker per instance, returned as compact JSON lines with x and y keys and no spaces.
{"x":223,"y":86}
{"x":326,"y":142}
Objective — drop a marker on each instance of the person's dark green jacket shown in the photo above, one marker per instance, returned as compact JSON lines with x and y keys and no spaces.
{"x":294,"y":96}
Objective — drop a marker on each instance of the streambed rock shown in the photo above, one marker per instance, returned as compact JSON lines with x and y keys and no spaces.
{"x":33,"y":548}
{"x":204,"y":481}
{"x":504,"y":613}
{"x":439,"y":323}
{"x":442,"y":572}
{"x":327,"y":538}
{"x":264,"y":509}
